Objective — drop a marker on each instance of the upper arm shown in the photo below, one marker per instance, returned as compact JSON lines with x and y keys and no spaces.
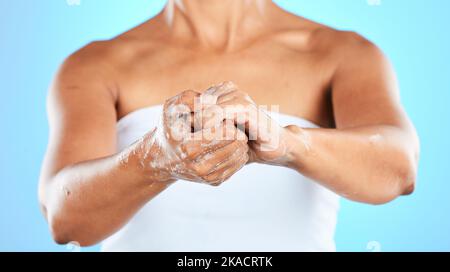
{"x":81,"y":112}
{"x":365,"y":95}
{"x":364,"y":87}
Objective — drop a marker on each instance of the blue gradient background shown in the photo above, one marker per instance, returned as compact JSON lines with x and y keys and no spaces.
{"x":37,"y":35}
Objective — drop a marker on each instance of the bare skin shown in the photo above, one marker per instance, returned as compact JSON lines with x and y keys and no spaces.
{"x":367,"y":150}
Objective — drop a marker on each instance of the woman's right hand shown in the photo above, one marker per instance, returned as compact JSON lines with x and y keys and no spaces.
{"x":173,"y":151}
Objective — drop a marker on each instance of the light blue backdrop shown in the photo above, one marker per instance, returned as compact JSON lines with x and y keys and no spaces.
{"x":35,"y":36}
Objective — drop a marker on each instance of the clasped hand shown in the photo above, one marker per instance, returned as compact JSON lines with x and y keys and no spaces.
{"x":208,"y":137}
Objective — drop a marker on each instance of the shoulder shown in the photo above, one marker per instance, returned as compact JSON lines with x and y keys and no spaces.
{"x":110,"y":54}
{"x":102,"y":61}
{"x":92,"y":71}
{"x":343,"y":44}
{"x":87,"y":70}
{"x":83,"y":77}
{"x":100,"y":55}
{"x":352,"y":56}
{"x":350,"y":45}
{"x":92,"y":56}
{"x":347,"y":49}
{"x":353,"y":52}
{"x":306,"y":35}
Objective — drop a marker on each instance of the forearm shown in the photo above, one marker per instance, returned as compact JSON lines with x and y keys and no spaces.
{"x":372,"y":164}
{"x":88,"y":201}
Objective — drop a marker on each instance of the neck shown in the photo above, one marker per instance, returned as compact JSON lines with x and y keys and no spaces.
{"x":216,"y":23}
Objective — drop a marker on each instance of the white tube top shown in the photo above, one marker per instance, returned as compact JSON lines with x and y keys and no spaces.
{"x":260,"y":208}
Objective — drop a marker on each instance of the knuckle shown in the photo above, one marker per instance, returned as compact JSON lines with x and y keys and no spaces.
{"x":245,"y":158}
{"x":192,"y":153}
{"x":229,"y":83}
{"x":245,"y":147}
{"x":191,"y":150}
{"x":200,"y":170}
{"x":184,"y":148}
{"x":241,"y":143}
{"x":188,"y":93}
{"x":188,"y":151}
{"x":217,"y":181}
{"x":211,"y":179}
{"x":216,"y":184}
{"x":242,"y":95}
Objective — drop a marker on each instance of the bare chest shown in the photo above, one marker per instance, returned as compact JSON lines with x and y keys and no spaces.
{"x":296,"y":83}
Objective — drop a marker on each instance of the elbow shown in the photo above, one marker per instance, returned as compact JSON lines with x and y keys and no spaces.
{"x":408,"y":166}
{"x":410,"y":170}
{"x":65,"y":225}
{"x":59,"y":236}
{"x":60,"y":231}
{"x":392,"y":189}
{"x":57,"y":219}
{"x":408,"y":181}
{"x":64,"y":231}
{"x":56,"y":226}
{"x":400,"y":178}
{"x":400,"y":181}
{"x":407,"y":171}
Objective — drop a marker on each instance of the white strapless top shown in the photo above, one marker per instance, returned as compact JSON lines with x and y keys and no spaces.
{"x":260,"y":208}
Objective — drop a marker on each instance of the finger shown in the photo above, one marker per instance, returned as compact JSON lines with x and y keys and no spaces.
{"x":215,"y":117}
{"x":231,"y":160}
{"x":177,"y":112}
{"x":251,"y":154}
{"x":206,"y":99}
{"x":226,"y":131}
{"x":244,"y":116}
{"x":202,"y":142}
{"x":211,"y":139}
{"x":235,"y":95}
{"x":209,"y":100}
{"x":231,"y":96}
{"x":218,"y":177}
{"x":211,"y":116}
{"x":210,"y":96}
{"x":232,"y":170}
{"x":221,"y":89}
{"x":188,"y":98}
{"x":186,"y":174}
{"x":232,"y":110}
{"x":212,"y":160}
{"x":255,"y":122}
{"x":238,"y":106}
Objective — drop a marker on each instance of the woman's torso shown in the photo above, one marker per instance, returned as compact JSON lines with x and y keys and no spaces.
{"x":262,"y":207}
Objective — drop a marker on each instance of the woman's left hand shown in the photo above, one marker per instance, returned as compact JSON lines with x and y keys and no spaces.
{"x":268,"y":141}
